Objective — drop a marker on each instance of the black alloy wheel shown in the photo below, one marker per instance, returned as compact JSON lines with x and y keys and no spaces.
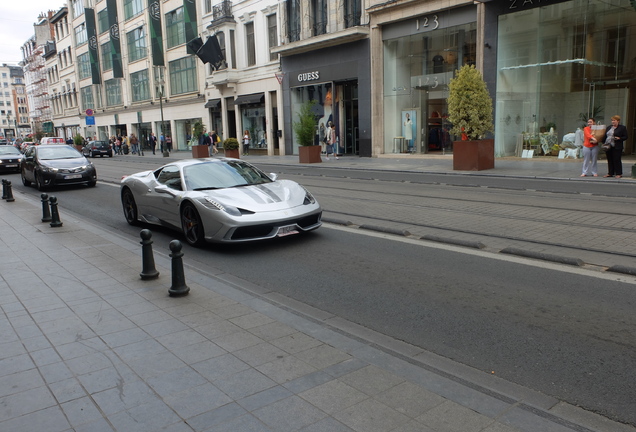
{"x":192,"y":226}
{"x":130,"y":207}
{"x":24,"y":180}
{"x":39,"y":185}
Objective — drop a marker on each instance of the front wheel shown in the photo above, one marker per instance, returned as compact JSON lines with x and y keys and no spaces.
{"x":192,"y":226}
{"x":24,"y":180}
{"x":130,"y":207}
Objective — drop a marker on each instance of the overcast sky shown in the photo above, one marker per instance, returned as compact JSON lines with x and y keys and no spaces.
{"x":17,"y":18}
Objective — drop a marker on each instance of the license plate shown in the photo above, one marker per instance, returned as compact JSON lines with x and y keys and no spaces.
{"x":73,"y":176}
{"x":286,"y":230}
{"x":11,"y":165}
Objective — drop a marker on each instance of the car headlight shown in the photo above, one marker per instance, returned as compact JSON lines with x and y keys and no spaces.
{"x":48,"y":169}
{"x":309,"y":198}
{"x":215,"y":205}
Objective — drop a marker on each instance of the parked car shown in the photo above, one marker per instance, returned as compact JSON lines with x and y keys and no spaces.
{"x":52,"y":165}
{"x":219,"y":200}
{"x":94,"y":148}
{"x":4,"y":142}
{"x":10,"y":158}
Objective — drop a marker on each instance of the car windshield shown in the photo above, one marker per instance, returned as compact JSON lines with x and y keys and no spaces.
{"x":63,"y":152}
{"x":99,"y":143}
{"x":220,"y":175}
{"x":9,"y":150}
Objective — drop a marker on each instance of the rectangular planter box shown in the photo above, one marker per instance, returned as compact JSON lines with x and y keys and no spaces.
{"x":309,"y":154}
{"x":200,"y":151}
{"x":474,"y":155}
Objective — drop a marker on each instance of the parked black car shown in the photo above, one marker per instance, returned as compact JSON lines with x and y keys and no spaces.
{"x":53,"y":165}
{"x":94,"y":148}
{"x":10,"y":158}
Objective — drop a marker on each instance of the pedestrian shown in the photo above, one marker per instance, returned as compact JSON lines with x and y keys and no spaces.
{"x":152,"y":139}
{"x":590,"y":150}
{"x":162,"y":142}
{"x":134,"y":143}
{"x":332,"y":141}
{"x":169,"y":143}
{"x":246,"y":142}
{"x":118,"y":145}
{"x":207,"y":140}
{"x":615,"y":136}
{"x":214,"y":140}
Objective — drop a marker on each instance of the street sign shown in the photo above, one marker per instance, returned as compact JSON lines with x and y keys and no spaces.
{"x":89,"y":112}
{"x":90,"y":120}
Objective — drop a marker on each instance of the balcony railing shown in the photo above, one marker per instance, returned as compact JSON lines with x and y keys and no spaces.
{"x":352,"y":20}
{"x":222,"y":12}
{"x":319,"y":28}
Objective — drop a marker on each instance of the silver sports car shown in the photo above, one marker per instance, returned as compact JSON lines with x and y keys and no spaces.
{"x":219,"y":200}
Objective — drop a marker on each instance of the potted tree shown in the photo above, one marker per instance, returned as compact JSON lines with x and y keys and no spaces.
{"x":231,"y":148}
{"x":198,"y":151}
{"x":470,"y":113}
{"x":305,"y":130}
{"x":78,"y":141}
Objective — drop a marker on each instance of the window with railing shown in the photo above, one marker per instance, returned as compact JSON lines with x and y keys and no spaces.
{"x":272,"y":35}
{"x":175,"y":28}
{"x":113,"y":92}
{"x":137,"y":48}
{"x":250,"y":44}
{"x":353,"y":11}
{"x":293,"y":20}
{"x":183,"y":75}
{"x":318,"y":17}
{"x":132,"y":8}
{"x":140,"y":85}
{"x":84,"y":66}
{"x":107,"y":59}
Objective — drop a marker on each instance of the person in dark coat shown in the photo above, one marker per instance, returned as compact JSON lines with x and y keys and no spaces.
{"x":615,"y":137}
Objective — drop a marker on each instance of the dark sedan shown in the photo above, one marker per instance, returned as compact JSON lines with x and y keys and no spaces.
{"x":53,"y":165}
{"x":97,"y":148}
{"x":10,"y":158}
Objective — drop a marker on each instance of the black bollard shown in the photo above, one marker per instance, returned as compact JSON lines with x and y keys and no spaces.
{"x":148,"y":270}
{"x":55,"y":215}
{"x":46,"y":211}
{"x":4,"y":188}
{"x":179,"y":287}
{"x":9,"y":196}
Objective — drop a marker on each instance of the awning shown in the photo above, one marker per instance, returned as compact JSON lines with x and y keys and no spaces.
{"x":213,"y":103}
{"x":249,"y":99}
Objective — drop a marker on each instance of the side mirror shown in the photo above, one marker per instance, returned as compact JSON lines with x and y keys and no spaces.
{"x":163,"y":189}
{"x":273,"y":176}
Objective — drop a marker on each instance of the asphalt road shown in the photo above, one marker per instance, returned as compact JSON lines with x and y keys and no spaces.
{"x":569,"y":334}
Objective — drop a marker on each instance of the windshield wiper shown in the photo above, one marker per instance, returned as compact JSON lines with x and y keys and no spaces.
{"x":206,"y":188}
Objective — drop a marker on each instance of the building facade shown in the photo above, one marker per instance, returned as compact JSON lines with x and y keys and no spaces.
{"x":14,"y":109}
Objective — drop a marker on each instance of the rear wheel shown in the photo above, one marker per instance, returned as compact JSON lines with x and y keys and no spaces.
{"x":192,"y":226}
{"x":130,"y":207}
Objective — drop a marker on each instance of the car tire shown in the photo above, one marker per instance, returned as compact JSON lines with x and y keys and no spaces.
{"x":130,"y":207}
{"x":24,"y":180}
{"x":92,"y":183}
{"x":192,"y":226}
{"x":38,"y":182}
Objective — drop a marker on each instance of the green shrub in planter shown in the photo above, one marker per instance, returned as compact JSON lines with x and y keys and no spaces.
{"x":469,"y":105}
{"x":231,"y":144}
{"x":305,"y":127}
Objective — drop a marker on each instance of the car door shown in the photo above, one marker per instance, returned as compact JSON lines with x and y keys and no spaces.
{"x":28,"y":163}
{"x":165,"y":205}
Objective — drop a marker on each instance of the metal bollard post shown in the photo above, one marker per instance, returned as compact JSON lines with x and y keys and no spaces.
{"x":55,"y":215}
{"x":46,"y":211}
{"x":179,"y":287}
{"x":4,"y":188}
{"x":9,"y":195}
{"x":147,"y":258}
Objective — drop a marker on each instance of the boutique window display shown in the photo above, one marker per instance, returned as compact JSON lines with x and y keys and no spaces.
{"x":324,"y":110}
{"x":557,"y":66}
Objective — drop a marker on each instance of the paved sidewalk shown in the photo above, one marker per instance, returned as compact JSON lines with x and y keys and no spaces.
{"x":86,"y":345}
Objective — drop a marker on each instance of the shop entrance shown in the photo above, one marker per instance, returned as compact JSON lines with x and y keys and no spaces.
{"x":348,"y":90}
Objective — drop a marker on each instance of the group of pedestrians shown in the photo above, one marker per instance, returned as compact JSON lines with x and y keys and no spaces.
{"x":610,"y":140}
{"x":210,"y":139}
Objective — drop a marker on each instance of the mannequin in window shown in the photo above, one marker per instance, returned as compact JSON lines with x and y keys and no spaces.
{"x":408,"y":132}
{"x":438,"y":64}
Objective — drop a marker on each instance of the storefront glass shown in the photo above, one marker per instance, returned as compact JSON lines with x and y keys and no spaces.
{"x":183,"y":134}
{"x":558,"y":65}
{"x":253,"y":120}
{"x":417,"y":70}
{"x":324,"y":109}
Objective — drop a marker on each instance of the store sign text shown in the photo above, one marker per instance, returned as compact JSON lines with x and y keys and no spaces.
{"x":308,"y":76}
{"x":516,"y":4}
{"x":427,"y":22}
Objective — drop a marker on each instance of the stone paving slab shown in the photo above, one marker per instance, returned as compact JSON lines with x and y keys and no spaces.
{"x":94,"y":348}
